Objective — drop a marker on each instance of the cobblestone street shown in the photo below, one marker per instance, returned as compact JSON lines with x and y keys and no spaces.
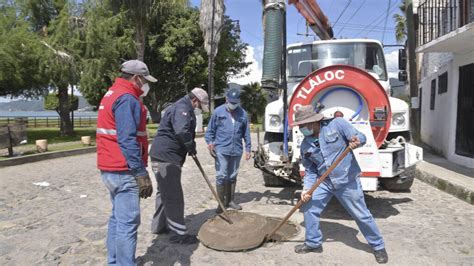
{"x":65,"y":222}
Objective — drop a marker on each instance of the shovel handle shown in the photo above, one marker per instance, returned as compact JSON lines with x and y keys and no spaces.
{"x":310,"y":192}
{"x":227,"y":218}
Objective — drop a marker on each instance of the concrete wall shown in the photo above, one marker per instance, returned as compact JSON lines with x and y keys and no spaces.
{"x":438,"y":126}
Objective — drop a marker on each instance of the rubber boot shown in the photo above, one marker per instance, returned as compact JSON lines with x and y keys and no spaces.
{"x":230,"y":195}
{"x":227,"y":194}
{"x":221,"y":194}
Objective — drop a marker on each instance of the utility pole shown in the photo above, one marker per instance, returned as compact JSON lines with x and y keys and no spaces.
{"x":412,"y":74}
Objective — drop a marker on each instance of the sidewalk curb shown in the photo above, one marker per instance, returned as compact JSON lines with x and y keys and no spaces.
{"x":456,"y":190}
{"x":45,"y":156}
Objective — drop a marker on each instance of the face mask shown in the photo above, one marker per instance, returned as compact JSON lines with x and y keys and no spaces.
{"x":232,"y":106}
{"x":306,"y":132}
{"x":145,"y":88}
{"x":197,"y":111}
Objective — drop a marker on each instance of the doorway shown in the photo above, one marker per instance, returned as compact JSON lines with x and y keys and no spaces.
{"x":464,"y":124}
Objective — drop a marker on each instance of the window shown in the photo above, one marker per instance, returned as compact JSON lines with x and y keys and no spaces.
{"x":443,"y":83}
{"x":433,"y":94}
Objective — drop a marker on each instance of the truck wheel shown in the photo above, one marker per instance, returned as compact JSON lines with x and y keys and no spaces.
{"x":401,"y":182}
{"x":270,"y":180}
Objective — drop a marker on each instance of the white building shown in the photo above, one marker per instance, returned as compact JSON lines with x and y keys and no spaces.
{"x":445,"y":44}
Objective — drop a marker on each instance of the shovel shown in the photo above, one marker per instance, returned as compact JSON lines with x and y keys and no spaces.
{"x":226,"y":217}
{"x":310,"y":192}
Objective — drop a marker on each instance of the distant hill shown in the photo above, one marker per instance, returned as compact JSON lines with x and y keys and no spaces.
{"x":36,"y":105}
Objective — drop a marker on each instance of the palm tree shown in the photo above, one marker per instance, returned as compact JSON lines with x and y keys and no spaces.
{"x":253,"y":101}
{"x":401,"y":24}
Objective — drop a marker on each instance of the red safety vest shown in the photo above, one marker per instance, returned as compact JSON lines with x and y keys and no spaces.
{"x":109,"y":155}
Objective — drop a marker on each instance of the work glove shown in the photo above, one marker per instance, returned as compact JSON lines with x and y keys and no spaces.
{"x":144,"y":185}
{"x":191,"y":148}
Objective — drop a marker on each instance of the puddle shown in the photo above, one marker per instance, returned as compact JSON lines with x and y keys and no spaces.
{"x":247,"y":231}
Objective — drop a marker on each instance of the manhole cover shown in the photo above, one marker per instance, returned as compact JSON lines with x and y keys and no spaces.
{"x":247,"y":231}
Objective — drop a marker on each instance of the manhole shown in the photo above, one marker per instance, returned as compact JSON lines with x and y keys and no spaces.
{"x":248,"y":231}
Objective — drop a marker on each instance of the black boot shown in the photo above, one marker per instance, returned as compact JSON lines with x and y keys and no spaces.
{"x":303,"y":249}
{"x":230,"y":197}
{"x":221,"y":194}
{"x":381,"y":256}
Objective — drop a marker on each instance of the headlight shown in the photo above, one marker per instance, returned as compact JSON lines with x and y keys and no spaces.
{"x":398,"y":119}
{"x":275,"y":121}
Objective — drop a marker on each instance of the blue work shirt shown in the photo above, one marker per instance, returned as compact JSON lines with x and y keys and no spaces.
{"x":127,"y":112}
{"x":226,"y":134}
{"x":317,"y":155}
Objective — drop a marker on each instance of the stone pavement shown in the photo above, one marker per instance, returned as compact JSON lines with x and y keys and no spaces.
{"x":65,"y":222}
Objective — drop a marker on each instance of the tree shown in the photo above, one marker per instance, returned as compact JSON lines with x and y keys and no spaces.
{"x":61,"y":40}
{"x":142,"y":13}
{"x":43,"y":55}
{"x":253,"y":100}
{"x":107,"y":38}
{"x":51,"y":102}
{"x":401,"y":24}
{"x":21,"y":53}
{"x":176,"y":56}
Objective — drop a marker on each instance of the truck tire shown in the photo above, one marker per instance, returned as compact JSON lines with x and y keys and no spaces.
{"x":401,"y":182}
{"x":270,"y":180}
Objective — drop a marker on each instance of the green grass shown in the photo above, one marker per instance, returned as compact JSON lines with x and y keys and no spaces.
{"x":65,"y":147}
{"x":53,"y":136}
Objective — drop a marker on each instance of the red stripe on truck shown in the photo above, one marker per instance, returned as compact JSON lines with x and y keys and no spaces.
{"x":370,"y":174}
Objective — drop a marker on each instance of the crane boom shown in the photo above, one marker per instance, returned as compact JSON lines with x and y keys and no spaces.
{"x":315,"y":17}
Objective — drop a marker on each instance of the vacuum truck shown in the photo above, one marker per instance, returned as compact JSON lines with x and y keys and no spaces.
{"x":341,"y":78}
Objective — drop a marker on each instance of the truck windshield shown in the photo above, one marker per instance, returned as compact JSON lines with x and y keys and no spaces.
{"x":304,"y":59}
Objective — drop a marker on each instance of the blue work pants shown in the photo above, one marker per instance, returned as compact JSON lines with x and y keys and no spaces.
{"x":351,"y":198}
{"x":125,"y":217}
{"x":227,"y":168}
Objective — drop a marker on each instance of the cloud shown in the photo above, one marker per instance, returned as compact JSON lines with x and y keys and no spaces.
{"x":391,"y":59}
{"x":254,"y":56}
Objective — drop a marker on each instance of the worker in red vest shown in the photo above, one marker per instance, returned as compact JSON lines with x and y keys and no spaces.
{"x":122,"y":154}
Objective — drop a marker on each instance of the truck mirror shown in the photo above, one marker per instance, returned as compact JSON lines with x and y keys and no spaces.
{"x":402,"y":75}
{"x":402,"y":59}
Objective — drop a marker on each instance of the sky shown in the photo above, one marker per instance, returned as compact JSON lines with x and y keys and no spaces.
{"x":350,"y":19}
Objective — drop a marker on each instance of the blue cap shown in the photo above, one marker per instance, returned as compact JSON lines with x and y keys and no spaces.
{"x":233,"y":95}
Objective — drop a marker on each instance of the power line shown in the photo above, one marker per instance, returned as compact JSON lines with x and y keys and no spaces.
{"x":251,"y":34}
{"x":342,"y":13}
{"x":395,"y":6}
{"x":386,"y":18}
{"x":351,"y":28}
{"x":351,"y":17}
{"x":362,"y":26}
{"x":376,"y":21}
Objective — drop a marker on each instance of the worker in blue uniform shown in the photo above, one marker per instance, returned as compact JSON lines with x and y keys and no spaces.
{"x":324,"y":141}
{"x":226,"y":129}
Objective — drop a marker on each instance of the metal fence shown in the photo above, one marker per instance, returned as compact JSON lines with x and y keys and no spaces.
{"x":439,"y":17}
{"x":51,"y":121}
